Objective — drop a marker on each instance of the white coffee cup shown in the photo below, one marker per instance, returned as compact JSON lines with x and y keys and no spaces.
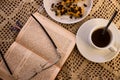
{"x":100,"y":44}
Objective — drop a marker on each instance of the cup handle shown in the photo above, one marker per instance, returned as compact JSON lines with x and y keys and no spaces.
{"x":113,"y":49}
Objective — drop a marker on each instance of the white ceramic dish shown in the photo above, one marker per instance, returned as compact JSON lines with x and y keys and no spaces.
{"x":65,"y":19}
{"x":88,"y":51}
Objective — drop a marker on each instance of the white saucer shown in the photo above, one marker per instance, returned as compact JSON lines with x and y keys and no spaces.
{"x":88,"y":51}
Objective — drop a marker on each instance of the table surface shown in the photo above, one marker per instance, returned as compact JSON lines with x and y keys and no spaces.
{"x":76,"y":67}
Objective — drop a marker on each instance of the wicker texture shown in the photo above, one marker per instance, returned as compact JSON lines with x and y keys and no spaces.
{"x":76,"y":67}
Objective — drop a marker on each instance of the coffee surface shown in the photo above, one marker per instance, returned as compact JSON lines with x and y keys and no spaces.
{"x":99,"y":39}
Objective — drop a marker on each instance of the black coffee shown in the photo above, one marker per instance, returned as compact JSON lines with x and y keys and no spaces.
{"x":99,"y":39}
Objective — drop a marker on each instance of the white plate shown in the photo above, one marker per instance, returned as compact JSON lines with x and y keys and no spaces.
{"x":88,"y":51}
{"x":65,"y":19}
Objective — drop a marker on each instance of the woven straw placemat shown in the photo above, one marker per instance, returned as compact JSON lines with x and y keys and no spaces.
{"x":76,"y":67}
